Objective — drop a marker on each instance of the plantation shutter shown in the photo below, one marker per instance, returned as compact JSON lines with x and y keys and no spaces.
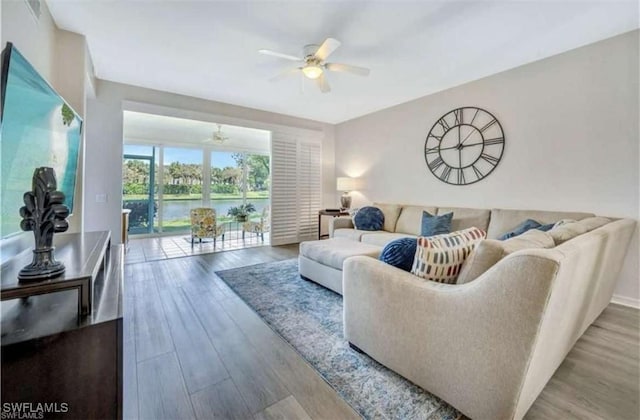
{"x":296,"y":190}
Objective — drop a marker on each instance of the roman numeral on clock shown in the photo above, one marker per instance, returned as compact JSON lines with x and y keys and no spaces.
{"x":489,"y":124}
{"x":435,"y":164}
{"x":459,"y":116}
{"x":432,"y":150}
{"x":478,"y":172}
{"x":444,"y":124}
{"x":493,"y":161}
{"x":491,"y":142}
{"x":461,"y":180}
{"x":446,"y":173}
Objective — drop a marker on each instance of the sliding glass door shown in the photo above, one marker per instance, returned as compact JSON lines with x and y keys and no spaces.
{"x":138,"y":179}
{"x":182,"y":187}
{"x":183,"y":178}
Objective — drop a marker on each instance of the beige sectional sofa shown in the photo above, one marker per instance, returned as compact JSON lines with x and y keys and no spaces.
{"x":487,"y":347}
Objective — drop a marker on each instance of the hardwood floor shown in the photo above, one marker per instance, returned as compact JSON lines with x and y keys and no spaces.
{"x":193,"y":349}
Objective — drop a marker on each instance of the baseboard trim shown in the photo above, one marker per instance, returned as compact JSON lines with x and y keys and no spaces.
{"x":626,"y":301}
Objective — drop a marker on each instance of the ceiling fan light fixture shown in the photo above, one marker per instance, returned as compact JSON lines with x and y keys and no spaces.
{"x":218,"y":137}
{"x":312,"y":71}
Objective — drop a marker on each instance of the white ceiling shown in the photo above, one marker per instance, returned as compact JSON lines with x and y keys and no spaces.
{"x":208,"y":49}
{"x":158,"y":129}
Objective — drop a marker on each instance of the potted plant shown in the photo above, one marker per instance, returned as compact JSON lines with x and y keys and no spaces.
{"x":241,"y":212}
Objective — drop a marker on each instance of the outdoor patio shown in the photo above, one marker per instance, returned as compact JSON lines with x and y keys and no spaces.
{"x":176,"y":246}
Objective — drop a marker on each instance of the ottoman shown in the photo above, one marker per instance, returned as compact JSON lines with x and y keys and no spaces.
{"x":321,"y":261}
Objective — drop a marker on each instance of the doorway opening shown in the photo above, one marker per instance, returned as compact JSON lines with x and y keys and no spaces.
{"x":173,"y":165}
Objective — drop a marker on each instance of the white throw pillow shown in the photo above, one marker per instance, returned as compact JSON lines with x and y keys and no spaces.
{"x":489,"y":252}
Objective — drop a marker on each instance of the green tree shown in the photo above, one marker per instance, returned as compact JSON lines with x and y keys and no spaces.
{"x":259,"y":171}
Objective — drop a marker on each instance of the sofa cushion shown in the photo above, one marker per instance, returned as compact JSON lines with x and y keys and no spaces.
{"x":400,"y":253}
{"x":439,"y":258}
{"x":464,"y":218}
{"x":369,"y":218}
{"x":503,"y":221}
{"x":391,"y":213}
{"x":484,"y":256}
{"x":488,"y":252}
{"x":591,"y":223}
{"x":410,"y":219}
{"x":531,"y":239}
{"x":435,"y":225}
{"x":333,"y":252}
{"x":567,"y":231}
{"x":352,"y":234}
{"x":382,"y":238}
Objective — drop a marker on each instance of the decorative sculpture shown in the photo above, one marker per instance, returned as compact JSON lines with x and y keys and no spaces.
{"x":44,"y":214}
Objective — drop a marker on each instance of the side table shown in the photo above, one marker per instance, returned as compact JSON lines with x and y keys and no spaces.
{"x":332,"y":213}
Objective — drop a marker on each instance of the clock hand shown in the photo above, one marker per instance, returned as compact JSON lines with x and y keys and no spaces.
{"x":462,"y":146}
{"x":471,"y":144}
{"x":465,"y":139}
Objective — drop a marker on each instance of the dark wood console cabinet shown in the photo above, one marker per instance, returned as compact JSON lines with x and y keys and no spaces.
{"x":53,"y":354}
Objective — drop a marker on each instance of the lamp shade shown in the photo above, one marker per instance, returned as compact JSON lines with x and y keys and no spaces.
{"x":346,"y":184}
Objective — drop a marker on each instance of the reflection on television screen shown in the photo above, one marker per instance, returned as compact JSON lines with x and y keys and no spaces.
{"x":38,"y":129}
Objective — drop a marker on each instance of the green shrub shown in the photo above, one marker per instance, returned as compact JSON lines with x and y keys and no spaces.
{"x":133,"y":188}
{"x":225,"y":189}
{"x":177,"y":189}
{"x":139,"y":216}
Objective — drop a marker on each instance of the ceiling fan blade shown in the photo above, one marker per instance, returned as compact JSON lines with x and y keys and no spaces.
{"x":360,"y":71}
{"x":284,"y":74}
{"x":280,"y":55}
{"x":323,"y":84}
{"x":327,"y":48}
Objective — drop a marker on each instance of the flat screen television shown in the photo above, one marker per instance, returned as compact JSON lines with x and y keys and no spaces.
{"x":37,"y":128}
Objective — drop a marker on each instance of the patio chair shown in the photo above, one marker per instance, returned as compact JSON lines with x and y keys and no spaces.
{"x":203,"y":225}
{"x":258,"y":227}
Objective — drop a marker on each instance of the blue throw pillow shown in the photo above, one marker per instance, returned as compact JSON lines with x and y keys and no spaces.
{"x":400,"y":253}
{"x":522,"y":228}
{"x":369,"y":218}
{"x":435,"y":225}
{"x":546,"y":228}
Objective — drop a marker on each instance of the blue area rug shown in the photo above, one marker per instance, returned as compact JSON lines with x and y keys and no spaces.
{"x":309,"y":317}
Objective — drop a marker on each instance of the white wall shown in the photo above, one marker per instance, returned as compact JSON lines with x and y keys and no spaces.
{"x":104,"y":136}
{"x":61,"y":57}
{"x":36,"y":39}
{"x":572,"y":141}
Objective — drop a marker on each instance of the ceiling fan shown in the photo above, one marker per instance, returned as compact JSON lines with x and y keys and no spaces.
{"x":313,"y":63}
{"x":217,"y":136}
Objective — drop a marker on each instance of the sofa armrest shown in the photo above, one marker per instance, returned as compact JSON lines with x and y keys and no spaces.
{"x":340,"y":223}
{"x":469,"y":344}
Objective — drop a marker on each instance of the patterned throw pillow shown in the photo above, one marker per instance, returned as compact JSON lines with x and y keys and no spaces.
{"x":435,"y":225}
{"x":369,"y":218}
{"x":400,"y":253}
{"x":439,"y":258}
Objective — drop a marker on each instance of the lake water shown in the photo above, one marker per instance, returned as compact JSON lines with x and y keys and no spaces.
{"x":176,"y":213}
{"x":179,"y":209}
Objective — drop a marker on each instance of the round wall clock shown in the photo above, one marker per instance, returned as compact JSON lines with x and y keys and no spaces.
{"x":464,"y":146}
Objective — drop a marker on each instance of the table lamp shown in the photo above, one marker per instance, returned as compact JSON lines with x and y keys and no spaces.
{"x":346,"y":185}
